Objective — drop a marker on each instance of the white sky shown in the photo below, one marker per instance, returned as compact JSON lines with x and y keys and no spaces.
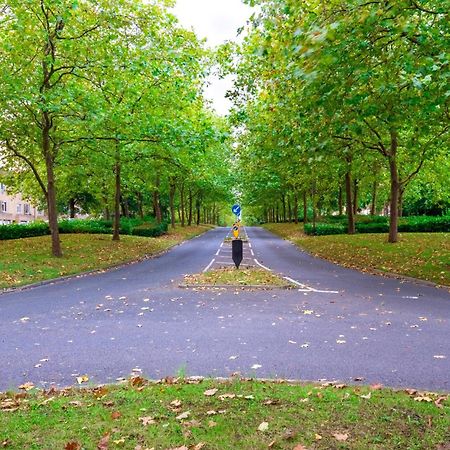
{"x":217,"y":21}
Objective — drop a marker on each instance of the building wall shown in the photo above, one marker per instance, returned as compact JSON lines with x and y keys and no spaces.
{"x":14,"y":209}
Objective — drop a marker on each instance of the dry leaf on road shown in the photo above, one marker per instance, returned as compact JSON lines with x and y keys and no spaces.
{"x":263,"y":426}
{"x":340,"y":436}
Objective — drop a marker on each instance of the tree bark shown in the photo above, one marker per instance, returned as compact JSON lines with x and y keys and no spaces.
{"x":198,"y":208}
{"x":156,"y":203}
{"x":283,"y":202}
{"x":296,"y":207}
{"x":72,"y":208}
{"x":400,"y":200}
{"x":289,"y":209}
{"x":117,"y":169}
{"x":140,"y":204}
{"x":373,"y":206}
{"x":349,"y":206}
{"x":51,"y":197}
{"x":190,"y":208}
{"x":355,"y":197}
{"x":305,"y":207}
{"x":172,"y":190}
{"x":182,"y":205}
{"x":395,"y":186}
{"x":341,"y":206}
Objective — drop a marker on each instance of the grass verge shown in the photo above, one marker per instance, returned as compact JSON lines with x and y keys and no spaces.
{"x":25,"y":261}
{"x":425,"y":256}
{"x":233,"y":277}
{"x":194,"y":415}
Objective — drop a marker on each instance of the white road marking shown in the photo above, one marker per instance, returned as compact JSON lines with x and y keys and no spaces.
{"x":261,"y":265}
{"x":217,"y":253}
{"x":251,"y":251}
{"x":209,"y":265}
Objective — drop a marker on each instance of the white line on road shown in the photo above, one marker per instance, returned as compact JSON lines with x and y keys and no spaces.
{"x":209,"y":265}
{"x":261,"y":265}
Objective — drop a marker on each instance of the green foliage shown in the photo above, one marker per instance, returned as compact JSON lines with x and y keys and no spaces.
{"x":23,"y":231}
{"x":418,"y":224}
{"x":136,"y":227}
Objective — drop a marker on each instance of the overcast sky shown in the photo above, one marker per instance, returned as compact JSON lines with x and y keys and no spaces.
{"x":217,"y":21}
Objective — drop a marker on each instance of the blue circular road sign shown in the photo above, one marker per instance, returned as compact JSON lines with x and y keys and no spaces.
{"x":236,"y":209}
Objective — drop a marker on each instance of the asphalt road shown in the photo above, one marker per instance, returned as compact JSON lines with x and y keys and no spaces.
{"x":338,"y":325}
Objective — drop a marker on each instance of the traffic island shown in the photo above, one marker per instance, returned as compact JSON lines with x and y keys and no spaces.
{"x":250,"y":278}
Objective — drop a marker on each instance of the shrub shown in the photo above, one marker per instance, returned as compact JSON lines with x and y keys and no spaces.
{"x":152,"y":231}
{"x":323,"y":229}
{"x":16,"y":231}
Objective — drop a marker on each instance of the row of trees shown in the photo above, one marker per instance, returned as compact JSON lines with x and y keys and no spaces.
{"x":343,"y":102}
{"x":102,"y":108}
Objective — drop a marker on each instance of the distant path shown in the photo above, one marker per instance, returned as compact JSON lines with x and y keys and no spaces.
{"x":377,"y":329}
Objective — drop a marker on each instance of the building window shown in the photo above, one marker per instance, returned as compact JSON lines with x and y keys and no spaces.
{"x":2,"y":188}
{"x":19,"y":209}
{"x":26,"y":208}
{"x":40,"y":212}
{"x":3,"y":206}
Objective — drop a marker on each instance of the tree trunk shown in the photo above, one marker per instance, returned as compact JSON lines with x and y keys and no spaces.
{"x":72,"y":208}
{"x":172,"y":190}
{"x":349,"y":207}
{"x":373,"y":206}
{"x":314,"y":207}
{"x":283,"y":202}
{"x":156,"y":203}
{"x":182,"y":205}
{"x":305,"y":207}
{"x":198,"y":208}
{"x":140,"y":204}
{"x":107,"y":213}
{"x":289,"y":209}
{"x":51,"y":196}
{"x":355,"y":197}
{"x":190,"y":208}
{"x":400,"y":200}
{"x":117,"y":169}
{"x":395,"y":186}
{"x":296,"y":207}
{"x":341,"y":207}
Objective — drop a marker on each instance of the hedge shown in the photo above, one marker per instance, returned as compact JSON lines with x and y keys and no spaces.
{"x":416,"y":224}
{"x":16,"y":231}
{"x":135,"y":227}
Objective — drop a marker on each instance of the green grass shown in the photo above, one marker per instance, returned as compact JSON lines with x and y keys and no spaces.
{"x":425,"y":256}
{"x":25,"y":261}
{"x":145,"y":414}
{"x":234,"y":277}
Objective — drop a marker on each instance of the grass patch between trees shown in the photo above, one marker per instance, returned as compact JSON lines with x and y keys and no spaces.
{"x":25,"y":261}
{"x":425,"y":256}
{"x":232,"y":415}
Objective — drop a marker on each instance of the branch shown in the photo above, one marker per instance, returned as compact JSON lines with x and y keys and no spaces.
{"x":30,"y":164}
{"x":69,"y":38}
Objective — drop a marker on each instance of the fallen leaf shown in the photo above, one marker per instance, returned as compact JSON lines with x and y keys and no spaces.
{"x":199,"y":446}
{"x":179,"y":448}
{"x":367,"y":397}
{"x":104,"y":442}
{"x":73,"y":445}
{"x":147,"y":420}
{"x":137,"y":381}
{"x":439,"y":401}
{"x":423,"y":398}
{"x":340,"y":341}
{"x":210,"y":392}
{"x":212,"y":424}
{"x":318,"y":437}
{"x":224,"y":396}
{"x":376,"y":387}
{"x":263,"y":426}
{"x":175,"y":403}
{"x":184,"y":415}
{"x":439,"y":356}
{"x":340,"y":437}
{"x":119,"y":441}
{"x":82,"y":379}
{"x":27,"y":386}
{"x":116,"y":415}
{"x":8,"y":442}
{"x":256,"y":366}
{"x":299,"y":447}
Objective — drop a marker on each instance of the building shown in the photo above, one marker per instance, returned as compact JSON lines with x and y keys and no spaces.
{"x":14,"y":209}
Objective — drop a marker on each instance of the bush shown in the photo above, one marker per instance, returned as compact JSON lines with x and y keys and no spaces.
{"x":153,"y":231}
{"x":135,"y":227}
{"x":16,"y":231}
{"x":380,"y":224}
{"x":324,"y":229}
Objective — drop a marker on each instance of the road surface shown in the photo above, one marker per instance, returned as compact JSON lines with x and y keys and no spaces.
{"x":338,"y":325}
